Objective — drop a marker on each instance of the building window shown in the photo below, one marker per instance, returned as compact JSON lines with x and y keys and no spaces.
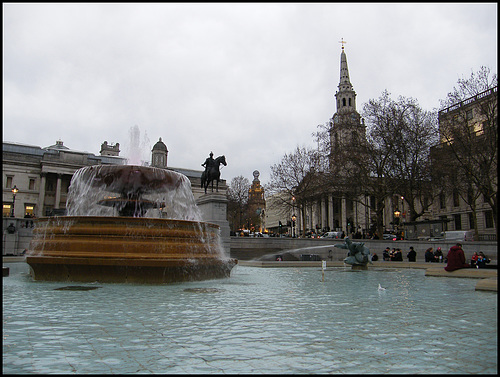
{"x":488,"y":219}
{"x":456,"y":199}
{"x":468,"y":114}
{"x":7,"y":208}
{"x":8,"y":183}
{"x":343,"y":101}
{"x":470,"y":197}
{"x":350,"y":102}
{"x":32,"y":184}
{"x":458,"y":221}
{"x":29,"y":210}
{"x":373,"y":203}
{"x":471,"y":220}
{"x":479,"y":128}
{"x":445,"y":222}
{"x":442,"y":201}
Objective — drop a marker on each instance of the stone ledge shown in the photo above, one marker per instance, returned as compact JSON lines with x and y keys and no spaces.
{"x":472,"y":273}
{"x":490,"y":284}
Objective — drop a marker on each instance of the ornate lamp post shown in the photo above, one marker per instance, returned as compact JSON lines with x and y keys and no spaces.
{"x":293,"y":225}
{"x":14,"y":192}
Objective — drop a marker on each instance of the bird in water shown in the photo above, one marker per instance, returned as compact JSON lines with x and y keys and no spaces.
{"x":380,"y":288}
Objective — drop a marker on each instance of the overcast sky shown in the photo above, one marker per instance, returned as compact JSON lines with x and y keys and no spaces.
{"x":248,"y":80}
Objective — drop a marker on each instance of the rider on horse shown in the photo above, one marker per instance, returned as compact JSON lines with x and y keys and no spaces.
{"x":212,"y":172}
{"x":209,"y":162}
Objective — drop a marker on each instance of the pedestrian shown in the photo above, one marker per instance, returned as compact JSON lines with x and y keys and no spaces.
{"x":429,"y":255}
{"x":392,"y":254}
{"x":398,"y":257}
{"x":412,"y":255}
{"x":482,"y":260}
{"x":385,"y":254}
{"x":456,"y":258}
{"x":438,"y":255}
{"x":473,"y":259}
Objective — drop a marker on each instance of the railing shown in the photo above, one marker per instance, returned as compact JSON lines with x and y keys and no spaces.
{"x":468,"y":100}
{"x":487,"y":237}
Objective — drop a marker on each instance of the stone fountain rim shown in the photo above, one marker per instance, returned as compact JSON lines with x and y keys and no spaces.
{"x":123,"y":218}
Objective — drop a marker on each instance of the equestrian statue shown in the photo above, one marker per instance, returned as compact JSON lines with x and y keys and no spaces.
{"x":212,"y":172}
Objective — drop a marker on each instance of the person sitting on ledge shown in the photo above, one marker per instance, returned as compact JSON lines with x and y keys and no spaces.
{"x":482,"y":260}
{"x":456,"y":258}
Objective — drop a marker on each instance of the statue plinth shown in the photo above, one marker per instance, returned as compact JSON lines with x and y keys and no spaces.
{"x":213,"y":207}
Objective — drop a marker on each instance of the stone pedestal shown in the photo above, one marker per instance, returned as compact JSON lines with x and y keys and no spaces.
{"x":213,"y":207}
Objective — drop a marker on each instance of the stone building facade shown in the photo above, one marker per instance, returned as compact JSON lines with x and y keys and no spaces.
{"x":458,"y":206}
{"x":42,"y":176}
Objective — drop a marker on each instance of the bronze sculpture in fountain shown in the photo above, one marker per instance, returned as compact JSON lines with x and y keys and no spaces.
{"x":358,"y":255}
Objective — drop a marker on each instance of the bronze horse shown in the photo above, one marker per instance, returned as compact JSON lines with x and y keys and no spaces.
{"x":212,"y":174}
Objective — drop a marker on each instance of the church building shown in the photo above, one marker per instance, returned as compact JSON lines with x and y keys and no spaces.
{"x":336,"y":211}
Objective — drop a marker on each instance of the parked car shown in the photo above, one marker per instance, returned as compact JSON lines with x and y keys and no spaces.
{"x":336,"y":235}
{"x":388,"y":236}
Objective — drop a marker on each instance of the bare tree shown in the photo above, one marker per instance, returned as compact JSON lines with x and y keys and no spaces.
{"x":237,"y":201}
{"x":401,"y":132}
{"x":291,"y":181}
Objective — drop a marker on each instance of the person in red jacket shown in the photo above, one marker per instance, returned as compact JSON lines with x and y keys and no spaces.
{"x":456,"y":258}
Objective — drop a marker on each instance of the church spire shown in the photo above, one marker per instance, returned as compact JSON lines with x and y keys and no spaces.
{"x":346,"y":96}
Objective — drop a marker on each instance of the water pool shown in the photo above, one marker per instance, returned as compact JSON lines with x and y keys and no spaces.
{"x":260,"y":320}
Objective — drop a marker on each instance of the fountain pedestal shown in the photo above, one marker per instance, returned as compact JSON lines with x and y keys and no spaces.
{"x":125,"y":249}
{"x":213,"y":208}
{"x":131,"y":247}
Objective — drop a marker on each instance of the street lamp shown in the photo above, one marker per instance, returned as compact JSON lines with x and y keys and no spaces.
{"x":397,"y":213}
{"x":293,"y":225}
{"x":14,"y":192}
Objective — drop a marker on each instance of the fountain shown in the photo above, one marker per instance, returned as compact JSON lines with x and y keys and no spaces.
{"x":128,"y":223}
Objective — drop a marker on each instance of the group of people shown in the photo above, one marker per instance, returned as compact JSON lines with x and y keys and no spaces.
{"x":455,"y":258}
{"x":393,"y":255}
{"x":479,"y":260}
{"x":396,"y":255}
{"x":434,"y":256}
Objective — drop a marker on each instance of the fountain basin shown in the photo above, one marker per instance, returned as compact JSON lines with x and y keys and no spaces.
{"x":126,"y":249}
